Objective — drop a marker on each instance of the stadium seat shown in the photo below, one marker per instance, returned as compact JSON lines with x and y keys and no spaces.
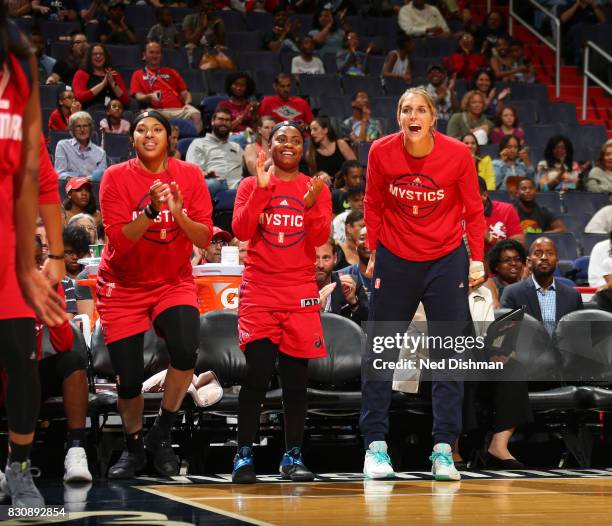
{"x":564,"y":112}
{"x":243,"y":41}
{"x":320,"y":86}
{"x":265,"y":61}
{"x":183,"y":145}
{"x":369,"y":84}
{"x":214,"y":81}
{"x":551,"y":200}
{"x":363,"y":150}
{"x":500,"y":195}
{"x":52,"y":30}
{"x":385,"y":107}
{"x":336,"y":106}
{"x":233,"y":20}
{"x":118,"y":147}
{"x":49,"y":94}
{"x":125,"y":56}
{"x":588,"y":241}
{"x":176,"y":59}
{"x":584,"y":202}
{"x":575,"y":222}
{"x":56,"y":136}
{"x":259,"y":21}
{"x":194,"y":78}
{"x":527,"y":91}
{"x":140,"y":16}
{"x":566,"y":243}
{"x":581,"y":271}
{"x":375,"y":65}
{"x":395,"y":86}
{"x":329,"y":61}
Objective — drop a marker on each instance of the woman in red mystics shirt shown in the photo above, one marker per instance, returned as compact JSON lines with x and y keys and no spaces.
{"x":284,"y":215}
{"x":154,"y":209}
{"x":421,"y":185}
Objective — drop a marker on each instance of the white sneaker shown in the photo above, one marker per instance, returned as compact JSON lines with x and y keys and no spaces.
{"x":377,"y":464}
{"x":75,"y":466}
{"x":442,"y":465}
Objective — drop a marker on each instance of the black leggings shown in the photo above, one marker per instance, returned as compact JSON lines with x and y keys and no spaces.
{"x":18,"y":357}
{"x":179,"y":326}
{"x":261,"y":357}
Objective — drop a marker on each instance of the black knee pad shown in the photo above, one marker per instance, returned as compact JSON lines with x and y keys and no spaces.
{"x":183,"y":352}
{"x":128,"y":364}
{"x":180,"y":327}
{"x":69,"y":362}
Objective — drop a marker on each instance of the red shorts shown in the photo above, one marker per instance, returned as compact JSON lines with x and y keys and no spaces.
{"x":296,"y":333}
{"x":126,"y":311}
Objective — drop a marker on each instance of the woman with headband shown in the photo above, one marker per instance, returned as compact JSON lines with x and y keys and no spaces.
{"x":284,"y":215}
{"x":155,"y":208}
{"x":421,"y":187}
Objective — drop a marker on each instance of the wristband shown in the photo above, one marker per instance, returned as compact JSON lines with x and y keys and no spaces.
{"x":151,"y":212}
{"x":55,"y":256}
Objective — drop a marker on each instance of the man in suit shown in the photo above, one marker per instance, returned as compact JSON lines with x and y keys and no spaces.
{"x":546,"y":299}
{"x":340,"y":294}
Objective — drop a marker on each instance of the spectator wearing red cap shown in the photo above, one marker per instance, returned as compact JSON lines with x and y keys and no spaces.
{"x":80,"y":199}
{"x":212,"y":253}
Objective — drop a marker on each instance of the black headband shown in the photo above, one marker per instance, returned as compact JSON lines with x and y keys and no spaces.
{"x":154,"y":115}
{"x":298,"y":125}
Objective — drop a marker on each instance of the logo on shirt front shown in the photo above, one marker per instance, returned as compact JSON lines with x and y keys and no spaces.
{"x":281,"y":224}
{"x":498,"y":231}
{"x":287,"y":112}
{"x":417,"y":195}
{"x":163,"y":229}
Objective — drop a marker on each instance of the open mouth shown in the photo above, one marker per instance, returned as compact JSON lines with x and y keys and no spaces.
{"x":150,"y":145}
{"x":414,"y":128}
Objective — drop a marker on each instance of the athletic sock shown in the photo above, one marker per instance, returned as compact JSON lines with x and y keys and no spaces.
{"x":76,"y":438}
{"x":19,"y":453}
{"x":163,"y":423}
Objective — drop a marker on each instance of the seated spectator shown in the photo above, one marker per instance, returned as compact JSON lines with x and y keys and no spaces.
{"x":599,"y":262}
{"x":64,"y":11}
{"x":216,"y":56}
{"x":66,"y":106}
{"x":350,"y":176}
{"x":174,"y":138}
{"x":483,"y":82}
{"x":97,"y":81}
{"x":60,"y":365}
{"x":506,"y":123}
{"x":535,"y":219}
{"x":493,"y":27}
{"x":79,"y":156}
{"x":513,"y":162}
{"x":306,"y":62}
{"x":243,"y":108}
{"x":601,"y":222}
{"x":219,"y":159}
{"x":358,"y":270}
{"x":80,"y":199}
{"x":88,"y":222}
{"x":526,"y":71}
{"x":418,"y":19}
{"x":165,"y":32}
{"x":574,"y":22}
{"x":558,"y":171}
{"x":326,"y":153}
{"x":471,"y":119}
{"x":339,"y":294}
{"x":600,"y":176}
{"x":464,"y":62}
{"x":115,"y":29}
{"x":328,"y":34}
{"x":163,"y":89}
{"x":361,"y":127}
{"x":546,"y":299}
{"x":262,"y":138}
{"x":484,"y":163}
{"x":212,"y":253}
{"x":19,"y":8}
{"x":284,"y":34}
{"x":503,"y":64}
{"x":92,"y":11}
{"x":64,"y":69}
{"x":397,"y":63}
{"x":442,"y":90}
{"x":344,"y":227}
{"x":113,"y":122}
{"x":506,"y":261}
{"x":76,"y":246}
{"x":350,"y":61}
{"x":284,"y":107}
{"x":197,"y":26}
{"x":502,"y":219}
{"x":45,"y":62}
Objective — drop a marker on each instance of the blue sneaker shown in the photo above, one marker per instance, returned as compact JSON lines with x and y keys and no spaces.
{"x":292,"y":468}
{"x":442,"y":465}
{"x":244,"y":468}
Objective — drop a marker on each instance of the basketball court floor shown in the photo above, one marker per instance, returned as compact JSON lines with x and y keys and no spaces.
{"x":529,"y":497}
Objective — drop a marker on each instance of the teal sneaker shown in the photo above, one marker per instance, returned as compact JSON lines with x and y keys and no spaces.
{"x":377,"y":464}
{"x":442,"y":466}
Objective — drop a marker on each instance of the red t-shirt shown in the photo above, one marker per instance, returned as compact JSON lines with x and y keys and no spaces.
{"x":465,"y":65}
{"x":12,"y":304}
{"x":237,"y":109}
{"x":503,"y":222}
{"x":166,"y":80}
{"x":282,"y":238}
{"x":163,"y":254}
{"x":415,"y":206}
{"x":292,"y":109}
{"x":57,"y":121}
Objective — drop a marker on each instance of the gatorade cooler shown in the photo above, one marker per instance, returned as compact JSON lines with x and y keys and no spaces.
{"x":217,"y":286}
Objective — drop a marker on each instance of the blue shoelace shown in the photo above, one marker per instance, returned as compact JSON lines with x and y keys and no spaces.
{"x":443,"y":458}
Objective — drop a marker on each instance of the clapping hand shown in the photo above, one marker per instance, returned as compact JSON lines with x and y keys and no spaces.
{"x":324,"y":294}
{"x":315,"y":185}
{"x":263,"y":175}
{"x":159,"y":193}
{"x":349,"y":288}
{"x":175,"y":199}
